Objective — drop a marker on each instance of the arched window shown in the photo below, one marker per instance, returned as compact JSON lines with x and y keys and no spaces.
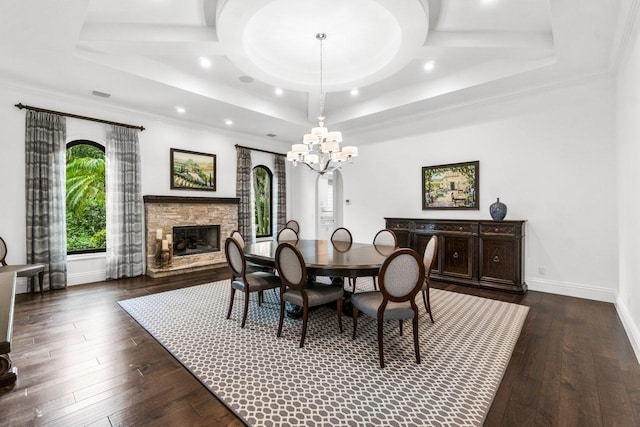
{"x":86,"y":197}
{"x":263,"y":191}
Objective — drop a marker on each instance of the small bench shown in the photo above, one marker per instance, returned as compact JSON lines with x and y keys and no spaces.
{"x":8,"y":373}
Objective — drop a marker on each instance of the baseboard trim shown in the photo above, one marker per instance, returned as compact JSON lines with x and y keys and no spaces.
{"x":572,"y":290}
{"x":630,"y":327}
{"x":86,"y":277}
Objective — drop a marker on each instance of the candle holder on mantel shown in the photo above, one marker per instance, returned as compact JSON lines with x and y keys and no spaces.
{"x":158,"y":254}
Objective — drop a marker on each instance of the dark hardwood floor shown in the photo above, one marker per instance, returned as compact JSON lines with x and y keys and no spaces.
{"x":82,"y":361}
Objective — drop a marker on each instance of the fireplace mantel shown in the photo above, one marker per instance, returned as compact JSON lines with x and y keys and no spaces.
{"x":182,"y":199}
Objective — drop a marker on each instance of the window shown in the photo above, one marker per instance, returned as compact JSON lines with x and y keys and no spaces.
{"x":263,"y":190}
{"x":86,"y":197}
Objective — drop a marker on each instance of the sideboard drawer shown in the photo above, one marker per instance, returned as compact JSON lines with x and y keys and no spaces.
{"x":497,"y":228}
{"x":449,"y":226}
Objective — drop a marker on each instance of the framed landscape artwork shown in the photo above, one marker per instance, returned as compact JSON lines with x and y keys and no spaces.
{"x":191,"y":170}
{"x":453,"y":186}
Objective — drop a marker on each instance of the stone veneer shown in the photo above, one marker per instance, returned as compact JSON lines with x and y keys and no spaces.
{"x":166,"y":212}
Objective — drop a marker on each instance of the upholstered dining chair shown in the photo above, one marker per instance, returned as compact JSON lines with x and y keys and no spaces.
{"x":287,"y":234}
{"x":258,"y":281}
{"x":293,"y":224}
{"x":429,"y":259}
{"x":22,"y":270}
{"x":296,"y":290}
{"x":235,"y":235}
{"x":401,"y":276}
{"x":384,"y":237}
{"x":341,"y":240}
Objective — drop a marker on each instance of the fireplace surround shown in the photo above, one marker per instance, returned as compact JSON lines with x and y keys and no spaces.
{"x":169,"y":212}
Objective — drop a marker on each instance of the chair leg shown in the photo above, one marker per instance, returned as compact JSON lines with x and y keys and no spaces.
{"x":281,"y":316}
{"x":400,"y":327}
{"x":339,"y":309}
{"x":416,"y":342}
{"x":355,"y":321}
{"x":247,"y":296}
{"x":429,"y":304}
{"x":260,"y":298}
{"x":375,"y":285}
{"x":353,"y":284}
{"x":305,"y":318}
{"x":233,"y":294}
{"x":380,"y":349}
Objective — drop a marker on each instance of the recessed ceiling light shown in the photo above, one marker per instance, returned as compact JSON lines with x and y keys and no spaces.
{"x":429,"y":65}
{"x":278,"y":91}
{"x":205,"y":62}
{"x":246,"y":79}
{"x":180,"y":110}
{"x":228,"y":122}
{"x":354,"y":92}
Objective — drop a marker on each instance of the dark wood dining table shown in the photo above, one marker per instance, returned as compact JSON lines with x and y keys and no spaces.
{"x":326,"y":258}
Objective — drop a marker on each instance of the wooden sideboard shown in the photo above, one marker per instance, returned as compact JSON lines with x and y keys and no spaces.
{"x":481,"y":253}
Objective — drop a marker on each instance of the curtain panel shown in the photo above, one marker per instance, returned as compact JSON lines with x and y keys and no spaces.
{"x":280,"y":172}
{"x":125,"y":243}
{"x":45,"y":150}
{"x":243,"y":192}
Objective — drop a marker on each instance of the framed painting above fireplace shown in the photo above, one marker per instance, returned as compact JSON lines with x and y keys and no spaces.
{"x":191,"y":170}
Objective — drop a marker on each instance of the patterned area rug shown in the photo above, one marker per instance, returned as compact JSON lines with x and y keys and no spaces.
{"x":334,"y":381}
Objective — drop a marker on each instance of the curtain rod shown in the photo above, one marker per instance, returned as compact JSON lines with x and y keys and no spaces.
{"x":75,"y":116}
{"x":262,"y":151}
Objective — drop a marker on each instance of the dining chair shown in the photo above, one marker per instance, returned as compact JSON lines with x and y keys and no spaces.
{"x":22,"y":270}
{"x":341,"y":240}
{"x":384,"y":237}
{"x":287,"y":234}
{"x":293,"y":224}
{"x":341,"y":234}
{"x":401,"y":276}
{"x":429,"y":259}
{"x":235,"y":234}
{"x":258,"y":281}
{"x":297,"y":290}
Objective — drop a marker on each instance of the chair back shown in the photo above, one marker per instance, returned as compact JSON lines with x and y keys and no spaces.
{"x":286,"y":235}
{"x":235,"y":257}
{"x":3,"y":251}
{"x":341,"y":234}
{"x":290,"y":265}
{"x":235,"y":235}
{"x":386,"y":237}
{"x":429,"y":258}
{"x":293,"y":224}
{"x":401,"y":275}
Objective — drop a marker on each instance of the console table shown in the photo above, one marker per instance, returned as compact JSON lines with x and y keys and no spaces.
{"x":482,"y":253}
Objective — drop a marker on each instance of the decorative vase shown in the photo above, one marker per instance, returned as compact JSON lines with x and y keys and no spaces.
{"x":498,"y":210}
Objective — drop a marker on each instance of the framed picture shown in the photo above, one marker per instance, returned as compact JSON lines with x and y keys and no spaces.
{"x":453,"y":186}
{"x":191,"y":170}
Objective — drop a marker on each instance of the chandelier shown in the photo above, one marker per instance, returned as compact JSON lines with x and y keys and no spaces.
{"x":320,"y":150}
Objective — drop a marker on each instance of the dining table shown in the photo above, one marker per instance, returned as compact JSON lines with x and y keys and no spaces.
{"x":336,"y":260}
{"x":326,"y":258}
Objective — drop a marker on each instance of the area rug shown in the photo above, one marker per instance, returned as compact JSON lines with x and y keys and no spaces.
{"x":334,"y":381}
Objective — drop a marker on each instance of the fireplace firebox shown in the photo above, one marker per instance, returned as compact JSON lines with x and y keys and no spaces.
{"x":196,"y":239}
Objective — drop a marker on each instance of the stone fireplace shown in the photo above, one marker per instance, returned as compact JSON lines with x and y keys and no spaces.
{"x":199,"y":227}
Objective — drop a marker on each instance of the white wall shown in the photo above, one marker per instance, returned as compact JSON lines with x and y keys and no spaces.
{"x":628,"y":207}
{"x":155,"y":142}
{"x":549,"y":156}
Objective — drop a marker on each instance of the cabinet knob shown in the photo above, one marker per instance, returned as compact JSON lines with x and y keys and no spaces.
{"x":496,"y":259}
{"x":455,"y":255}
{"x":460,"y":228}
{"x":497,"y":229}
